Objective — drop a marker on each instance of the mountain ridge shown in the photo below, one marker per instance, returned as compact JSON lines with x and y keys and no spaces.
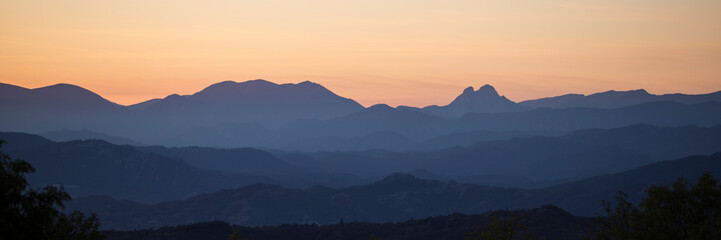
{"x":401,"y":197}
{"x":617,"y":99}
{"x":484,"y":100}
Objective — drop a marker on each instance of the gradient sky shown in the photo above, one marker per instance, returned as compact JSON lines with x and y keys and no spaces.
{"x":399,"y":52}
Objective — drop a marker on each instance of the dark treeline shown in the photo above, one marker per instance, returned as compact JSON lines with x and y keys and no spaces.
{"x":547,"y":221}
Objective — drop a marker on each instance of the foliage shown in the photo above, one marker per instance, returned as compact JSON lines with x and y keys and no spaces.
{"x":500,"y":228}
{"x":236,"y":235}
{"x":680,"y":211}
{"x":33,"y":214}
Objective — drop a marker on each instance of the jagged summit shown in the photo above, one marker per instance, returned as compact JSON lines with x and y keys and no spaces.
{"x":487,"y":90}
{"x":468,"y":90}
{"x":469,"y":96}
{"x":484,"y":100}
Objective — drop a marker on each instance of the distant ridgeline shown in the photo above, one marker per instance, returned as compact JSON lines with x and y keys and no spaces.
{"x":308,"y":117}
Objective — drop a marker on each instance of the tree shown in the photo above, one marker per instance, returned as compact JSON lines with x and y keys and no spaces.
{"x":500,"y":228}
{"x":236,"y":235}
{"x":617,"y":225}
{"x":33,"y":214}
{"x":680,"y":211}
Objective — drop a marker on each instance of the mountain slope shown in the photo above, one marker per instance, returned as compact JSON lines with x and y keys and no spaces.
{"x":667,"y":114}
{"x":248,"y":160}
{"x":53,"y":108}
{"x":578,"y":154}
{"x":484,"y":100}
{"x":617,"y":99}
{"x":256,"y":100}
{"x":400,"y":197}
{"x":227,"y":103}
{"x":95,"y":167}
{"x":397,"y":197}
{"x":251,"y":114}
{"x":55,"y":98}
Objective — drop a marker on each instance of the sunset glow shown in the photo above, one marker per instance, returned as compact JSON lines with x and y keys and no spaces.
{"x":404,"y":52}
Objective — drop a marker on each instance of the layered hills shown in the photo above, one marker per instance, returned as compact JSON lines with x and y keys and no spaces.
{"x":150,"y":174}
{"x":397,"y":197}
{"x":308,"y":117}
{"x":259,"y":153}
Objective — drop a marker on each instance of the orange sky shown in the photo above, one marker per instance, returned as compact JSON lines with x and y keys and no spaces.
{"x":401,"y":52}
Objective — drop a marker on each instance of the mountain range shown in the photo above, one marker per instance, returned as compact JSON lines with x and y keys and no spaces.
{"x":308,"y":117}
{"x":251,"y":101}
{"x":259,"y":153}
{"x":397,"y":197}
{"x":150,"y":174}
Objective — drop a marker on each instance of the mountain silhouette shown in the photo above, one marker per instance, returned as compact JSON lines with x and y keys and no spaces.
{"x":55,"y":98}
{"x":65,"y":106}
{"x":306,"y":116}
{"x":254,"y":101}
{"x":617,"y":99}
{"x":53,"y":108}
{"x":484,"y":100}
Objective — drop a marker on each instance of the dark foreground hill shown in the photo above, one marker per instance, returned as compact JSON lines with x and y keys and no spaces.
{"x":546,"y":221}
